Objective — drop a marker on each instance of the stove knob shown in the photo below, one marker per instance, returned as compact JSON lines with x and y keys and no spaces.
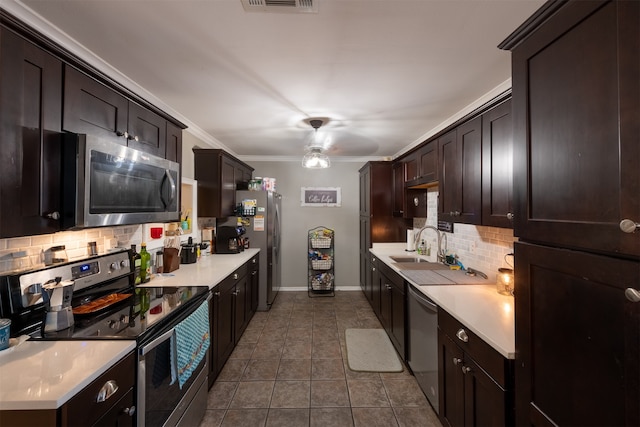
{"x":113,"y":324}
{"x":124,"y":318}
{"x":124,"y":263}
{"x":113,"y":266}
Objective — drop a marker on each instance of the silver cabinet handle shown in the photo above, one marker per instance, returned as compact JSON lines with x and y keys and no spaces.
{"x":456,"y":361}
{"x":373,"y":260}
{"x":125,"y":135}
{"x":629,"y":226}
{"x":131,"y":137}
{"x":53,"y":215}
{"x":510,"y":216}
{"x":632,"y":295}
{"x":462,"y":335}
{"x":108,"y":389}
{"x":216,"y":294}
{"x":235,"y":276}
{"x":466,"y":369}
{"x":373,"y":269}
{"x":130,"y":411}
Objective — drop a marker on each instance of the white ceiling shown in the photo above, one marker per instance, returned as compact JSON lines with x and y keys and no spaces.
{"x":387,"y":73}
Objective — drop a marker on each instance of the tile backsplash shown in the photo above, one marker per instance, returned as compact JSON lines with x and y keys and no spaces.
{"x":29,"y":252}
{"x":478,"y":247}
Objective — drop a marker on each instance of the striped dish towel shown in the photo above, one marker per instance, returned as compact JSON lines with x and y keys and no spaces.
{"x":189,"y":344}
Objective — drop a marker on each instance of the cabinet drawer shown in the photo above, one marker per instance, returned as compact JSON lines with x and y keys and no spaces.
{"x":496,"y":365}
{"x":391,"y":274}
{"x":83,"y":409}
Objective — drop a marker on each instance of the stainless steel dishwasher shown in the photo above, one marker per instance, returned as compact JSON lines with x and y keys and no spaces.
{"x":423,"y":344}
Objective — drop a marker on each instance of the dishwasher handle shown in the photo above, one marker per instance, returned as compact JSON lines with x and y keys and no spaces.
{"x":423,"y":300}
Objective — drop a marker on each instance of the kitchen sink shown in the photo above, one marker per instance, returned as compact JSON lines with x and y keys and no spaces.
{"x":407,"y":259}
{"x":416,"y":263}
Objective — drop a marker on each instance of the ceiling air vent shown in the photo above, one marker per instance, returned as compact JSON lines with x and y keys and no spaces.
{"x":286,"y":6}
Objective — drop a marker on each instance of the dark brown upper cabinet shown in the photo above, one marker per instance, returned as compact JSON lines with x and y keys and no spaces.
{"x":576,"y":86}
{"x":421,"y":166}
{"x":497,"y":166}
{"x":460,"y":184}
{"x":219,"y":175}
{"x":30,"y":117}
{"x":93,"y":108}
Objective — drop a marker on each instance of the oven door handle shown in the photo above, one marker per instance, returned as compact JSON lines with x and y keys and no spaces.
{"x":153,"y":344}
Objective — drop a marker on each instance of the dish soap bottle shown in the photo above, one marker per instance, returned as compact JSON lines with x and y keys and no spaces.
{"x":422,"y":248}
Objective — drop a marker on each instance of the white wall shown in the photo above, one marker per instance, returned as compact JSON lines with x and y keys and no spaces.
{"x":297,"y":220}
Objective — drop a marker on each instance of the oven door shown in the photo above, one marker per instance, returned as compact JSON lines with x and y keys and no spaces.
{"x":161,"y":403}
{"x":110,"y":184}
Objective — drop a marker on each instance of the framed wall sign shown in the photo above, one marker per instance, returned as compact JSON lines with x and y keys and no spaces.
{"x":320,"y":196}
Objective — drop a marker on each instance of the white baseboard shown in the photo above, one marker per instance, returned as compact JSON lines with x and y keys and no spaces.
{"x":304,"y":288}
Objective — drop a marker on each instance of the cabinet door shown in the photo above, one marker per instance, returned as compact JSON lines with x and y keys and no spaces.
{"x":385,"y":301}
{"x":398,"y":190}
{"x":469,"y":146}
{"x":428,"y":162}
{"x":376,"y":289}
{"x":227,"y":187}
{"x":242,"y":307}
{"x":147,"y":131}
{"x":30,"y":117}
{"x":411,"y":167}
{"x":497,"y":166}
{"x":255,"y":283}
{"x":485,"y":402}
{"x":577,"y":332}
{"x":449,"y":177}
{"x":174,"y":143}
{"x":365,"y":190}
{"x":92,"y":108}
{"x":576,"y":108}
{"x":398,"y":313}
{"x":451,"y":382}
{"x":224,"y":319}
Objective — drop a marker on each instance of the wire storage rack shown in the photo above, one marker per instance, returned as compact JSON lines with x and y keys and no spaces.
{"x":321,"y":261}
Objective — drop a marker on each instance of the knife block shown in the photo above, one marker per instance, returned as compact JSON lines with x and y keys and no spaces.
{"x":170,"y":260}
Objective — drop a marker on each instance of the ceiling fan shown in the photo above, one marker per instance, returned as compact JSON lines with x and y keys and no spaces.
{"x":314,"y":158}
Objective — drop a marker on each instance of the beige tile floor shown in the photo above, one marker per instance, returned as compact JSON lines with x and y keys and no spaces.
{"x":290,"y":369}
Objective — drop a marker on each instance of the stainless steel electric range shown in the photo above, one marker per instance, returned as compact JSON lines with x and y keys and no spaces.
{"x":106,"y":305}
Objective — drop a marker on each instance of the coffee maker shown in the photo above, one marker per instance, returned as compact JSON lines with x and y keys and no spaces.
{"x":229,"y":240}
{"x":57,"y":301}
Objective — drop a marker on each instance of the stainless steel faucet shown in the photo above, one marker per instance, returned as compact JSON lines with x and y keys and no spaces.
{"x":441,"y":251}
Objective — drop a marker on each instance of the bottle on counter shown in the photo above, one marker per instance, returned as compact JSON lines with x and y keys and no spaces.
{"x":145,"y":263}
{"x":137,"y":260}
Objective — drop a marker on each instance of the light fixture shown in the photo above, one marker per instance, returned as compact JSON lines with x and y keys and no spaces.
{"x":315,"y":158}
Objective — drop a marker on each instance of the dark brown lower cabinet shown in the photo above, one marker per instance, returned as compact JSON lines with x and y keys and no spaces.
{"x":578,"y":338}
{"x":476,"y":382}
{"x":83,"y":409}
{"x":230,"y":311}
{"x":393,"y":307}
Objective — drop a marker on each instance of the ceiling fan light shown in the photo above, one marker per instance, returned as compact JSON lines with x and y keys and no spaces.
{"x":315,"y":160}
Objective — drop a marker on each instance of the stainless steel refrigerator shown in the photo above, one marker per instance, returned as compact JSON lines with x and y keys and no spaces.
{"x":263,"y":232}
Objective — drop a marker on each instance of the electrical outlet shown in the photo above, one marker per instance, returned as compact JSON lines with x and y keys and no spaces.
{"x":472,"y":247}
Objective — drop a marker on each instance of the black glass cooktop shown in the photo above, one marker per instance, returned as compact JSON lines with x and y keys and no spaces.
{"x":136,"y":314}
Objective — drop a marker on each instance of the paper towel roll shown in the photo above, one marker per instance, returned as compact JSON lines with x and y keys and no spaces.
{"x":410,"y":241}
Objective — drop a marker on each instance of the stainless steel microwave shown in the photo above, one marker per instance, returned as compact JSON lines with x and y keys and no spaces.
{"x":107,"y":184}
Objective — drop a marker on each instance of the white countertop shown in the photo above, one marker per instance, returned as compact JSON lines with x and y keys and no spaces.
{"x":46,"y":374}
{"x":479,"y":307}
{"x":209,"y":271}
